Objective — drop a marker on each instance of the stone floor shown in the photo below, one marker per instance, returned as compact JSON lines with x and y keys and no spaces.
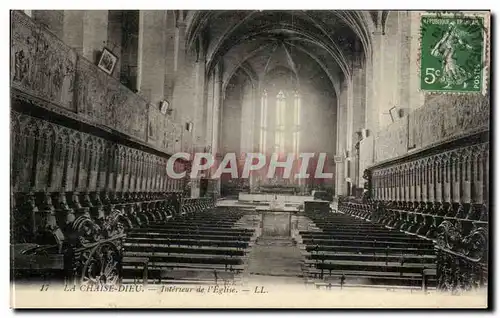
{"x":274,"y":259}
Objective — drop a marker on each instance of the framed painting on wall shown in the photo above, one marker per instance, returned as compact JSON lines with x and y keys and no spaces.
{"x":107,"y":61}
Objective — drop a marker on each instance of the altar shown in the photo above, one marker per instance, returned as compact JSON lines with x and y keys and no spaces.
{"x":289,"y":200}
{"x":276,"y":219}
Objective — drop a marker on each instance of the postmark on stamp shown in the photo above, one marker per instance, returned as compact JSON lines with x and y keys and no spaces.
{"x":453,"y":53}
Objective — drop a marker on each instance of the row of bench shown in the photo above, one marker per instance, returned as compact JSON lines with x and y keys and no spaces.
{"x":200,"y":246}
{"x":349,"y":250}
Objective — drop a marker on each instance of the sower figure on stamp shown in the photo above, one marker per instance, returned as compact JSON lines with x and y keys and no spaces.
{"x":453,"y":53}
{"x":453,"y":74}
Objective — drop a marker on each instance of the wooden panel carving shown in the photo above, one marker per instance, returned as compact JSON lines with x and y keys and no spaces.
{"x":49,"y":157}
{"x":41,"y":64}
{"x":71,"y":161}
{"x":392,"y":142}
{"x":59,"y":158}
{"x":454,"y":176}
{"x":23,"y":151}
{"x":82,"y":162}
{"x":442,"y":196}
{"x":44,"y":145}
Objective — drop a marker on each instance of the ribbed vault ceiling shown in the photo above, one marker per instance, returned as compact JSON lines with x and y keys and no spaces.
{"x":256,"y":42}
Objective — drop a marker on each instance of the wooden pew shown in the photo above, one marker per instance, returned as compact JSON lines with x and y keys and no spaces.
{"x":197,"y":245}
{"x":354,"y":249}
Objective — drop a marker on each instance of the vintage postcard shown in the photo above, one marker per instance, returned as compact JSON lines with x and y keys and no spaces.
{"x":249,"y":158}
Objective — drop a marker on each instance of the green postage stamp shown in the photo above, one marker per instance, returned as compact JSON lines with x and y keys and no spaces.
{"x":453,"y":52}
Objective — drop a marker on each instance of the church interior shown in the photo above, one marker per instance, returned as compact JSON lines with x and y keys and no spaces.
{"x":101,"y":99}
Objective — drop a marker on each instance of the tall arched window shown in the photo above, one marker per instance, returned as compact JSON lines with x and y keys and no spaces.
{"x":263,"y":122}
{"x":296,"y":123}
{"x":283,"y":125}
{"x":279,"y":139}
{"x":280,"y":124}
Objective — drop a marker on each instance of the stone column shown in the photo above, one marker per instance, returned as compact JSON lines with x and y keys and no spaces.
{"x":217,"y":109}
{"x":73,"y":29}
{"x":115,"y":38}
{"x":416,"y":97}
{"x":86,"y":31}
{"x":180,"y":42}
{"x":349,"y":140}
{"x":170,"y":55}
{"x":359,"y":106}
{"x":209,"y":111}
{"x":152,"y":37}
{"x":371,"y":116}
{"x":377,"y":79}
{"x":247,"y":120}
{"x":405,"y":62}
{"x":198,"y":87}
{"x":181,"y":69}
{"x":340,"y":167}
{"x":185,"y":84}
